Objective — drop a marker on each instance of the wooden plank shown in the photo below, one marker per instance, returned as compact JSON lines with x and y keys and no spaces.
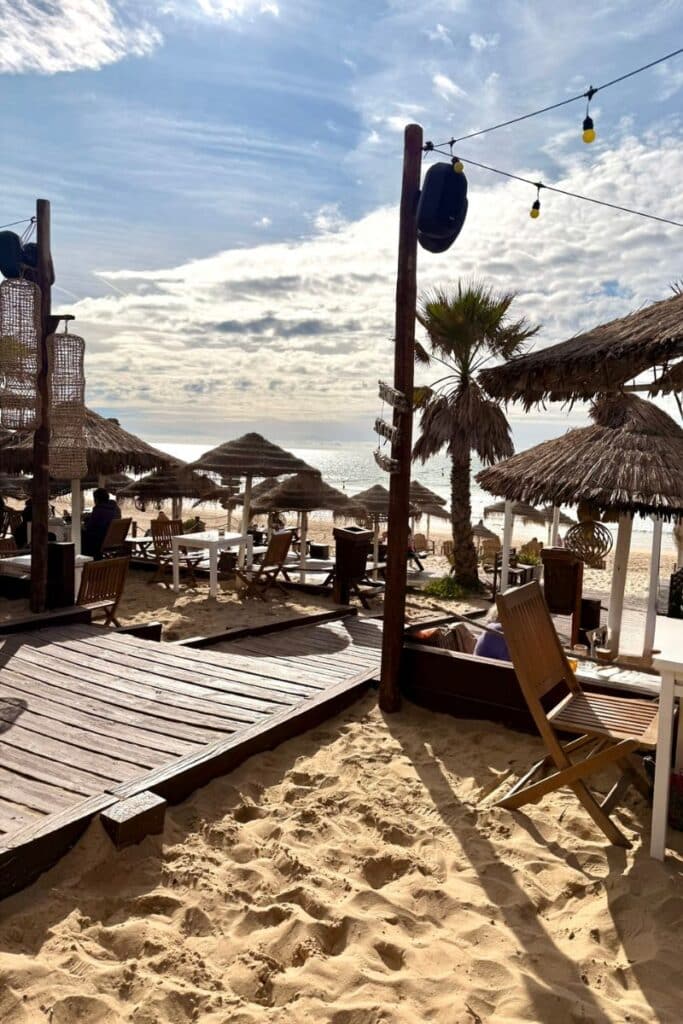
{"x":65,"y":753}
{"x":196,"y":769}
{"x":171,"y":666}
{"x":143,"y":631}
{"x":38,"y":796}
{"x":85,"y":739}
{"x":192,"y":700}
{"x":89,"y":714}
{"x":325,"y":643}
{"x":45,"y":620}
{"x":45,"y":769}
{"x":129,"y":821}
{"x":121,"y":705}
{"x":14,"y":817}
{"x":141,"y":666}
{"x":324,"y":666}
{"x":238,"y":632}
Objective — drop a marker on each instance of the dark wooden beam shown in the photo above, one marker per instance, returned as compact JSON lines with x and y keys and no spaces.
{"x":399,"y":486}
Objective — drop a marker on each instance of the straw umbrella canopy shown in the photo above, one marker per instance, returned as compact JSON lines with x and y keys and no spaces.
{"x":305,"y":493}
{"x":520,"y":509}
{"x":421,"y":495}
{"x":176,"y":481}
{"x":250,"y":456}
{"x":482,"y":532}
{"x":598,"y":361}
{"x":630,"y":460}
{"x":564,"y":520}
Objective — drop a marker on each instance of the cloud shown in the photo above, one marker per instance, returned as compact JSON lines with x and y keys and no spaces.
{"x":68,"y":35}
{"x":446,"y":87}
{"x":221,"y":10}
{"x":301,"y":331}
{"x":440,"y":34}
{"x":263,"y":222}
{"x":480,"y":42}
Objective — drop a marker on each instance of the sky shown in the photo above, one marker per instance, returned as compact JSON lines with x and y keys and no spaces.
{"x":224,"y":178}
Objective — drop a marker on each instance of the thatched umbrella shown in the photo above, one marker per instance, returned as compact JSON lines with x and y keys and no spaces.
{"x":482,"y":532}
{"x":250,"y":456}
{"x":307,"y":492}
{"x":425,"y":500}
{"x":108,"y":448}
{"x":630,"y":460}
{"x":375,"y":501}
{"x":598,"y":361}
{"x":520,"y":509}
{"x":176,"y":482}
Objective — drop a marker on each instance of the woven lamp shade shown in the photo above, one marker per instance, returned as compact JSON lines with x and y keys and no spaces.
{"x":66,"y":389}
{"x":19,"y":340}
{"x":250,"y":455}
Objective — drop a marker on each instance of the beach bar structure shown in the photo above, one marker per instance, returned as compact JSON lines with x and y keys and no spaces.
{"x":630,"y":461}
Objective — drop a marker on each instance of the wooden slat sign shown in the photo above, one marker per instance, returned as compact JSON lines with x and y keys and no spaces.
{"x":385,"y":463}
{"x":394,"y":398}
{"x":386,"y":430}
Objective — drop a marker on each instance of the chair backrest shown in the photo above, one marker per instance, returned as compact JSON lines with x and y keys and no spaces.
{"x":447,"y":550}
{"x":116,"y":534}
{"x":278,"y":549}
{"x":103,"y":581}
{"x":8,"y":547}
{"x":420,"y":542}
{"x":540,"y":663}
{"x":163,"y":531}
{"x":489,"y":549}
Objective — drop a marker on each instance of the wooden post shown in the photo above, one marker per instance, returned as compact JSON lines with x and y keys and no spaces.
{"x":651,"y":615}
{"x":76,"y":513}
{"x":507,"y":544}
{"x":375,"y":547}
{"x":616,"y":599}
{"x":246,"y":515}
{"x":302,"y":546}
{"x":555,"y":526}
{"x":41,"y":439}
{"x":404,"y":367}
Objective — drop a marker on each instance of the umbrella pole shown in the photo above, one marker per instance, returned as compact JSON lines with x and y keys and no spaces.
{"x":507,"y":544}
{"x":616,"y":599}
{"x":375,"y":549}
{"x":246,"y":511}
{"x":428,"y":524}
{"x":302,"y":546}
{"x":651,"y":616}
{"x":555,"y":526}
{"x":101,"y":480}
{"x":176,"y":508}
{"x":76,"y":513}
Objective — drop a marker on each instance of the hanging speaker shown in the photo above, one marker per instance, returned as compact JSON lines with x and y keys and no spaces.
{"x":10,"y":254}
{"x":442,"y":207}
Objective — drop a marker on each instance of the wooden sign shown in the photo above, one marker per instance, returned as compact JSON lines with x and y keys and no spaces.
{"x":387,"y":464}
{"x":396,"y":399}
{"x":386,"y":430}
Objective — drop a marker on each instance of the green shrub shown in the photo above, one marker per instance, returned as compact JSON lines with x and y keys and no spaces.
{"x":446,"y":587}
{"x":529,"y":558}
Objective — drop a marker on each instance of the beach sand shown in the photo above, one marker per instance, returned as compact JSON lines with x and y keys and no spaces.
{"x":357,"y":874}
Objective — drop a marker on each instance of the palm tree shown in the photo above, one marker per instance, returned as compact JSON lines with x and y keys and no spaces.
{"x":467,"y":327}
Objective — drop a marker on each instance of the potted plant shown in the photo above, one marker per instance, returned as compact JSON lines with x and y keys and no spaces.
{"x":532,"y":560}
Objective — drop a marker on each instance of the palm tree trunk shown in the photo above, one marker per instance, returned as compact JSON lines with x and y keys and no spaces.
{"x":464,"y":553}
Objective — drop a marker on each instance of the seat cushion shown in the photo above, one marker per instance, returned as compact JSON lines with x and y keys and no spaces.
{"x":601,"y":714}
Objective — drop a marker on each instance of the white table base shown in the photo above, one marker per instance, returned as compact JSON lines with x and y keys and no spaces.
{"x":212,"y":544}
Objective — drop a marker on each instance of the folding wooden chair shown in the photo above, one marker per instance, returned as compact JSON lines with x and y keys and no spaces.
{"x":8,"y":547}
{"x":257,"y":581}
{"x":114,"y":543}
{"x":163,"y":532}
{"x":422,"y":545}
{"x":102,"y":586}
{"x":613,"y":727}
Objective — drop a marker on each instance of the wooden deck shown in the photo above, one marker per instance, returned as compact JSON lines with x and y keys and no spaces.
{"x":90,"y":717}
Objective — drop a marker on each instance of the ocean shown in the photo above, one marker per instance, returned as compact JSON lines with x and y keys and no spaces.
{"x":350,"y":467}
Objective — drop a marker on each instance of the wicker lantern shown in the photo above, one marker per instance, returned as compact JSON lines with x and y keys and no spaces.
{"x":19,"y":341}
{"x":66,"y":383}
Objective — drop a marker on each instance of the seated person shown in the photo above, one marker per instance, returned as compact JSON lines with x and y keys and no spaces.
{"x":491,"y":644}
{"x":95,"y":531}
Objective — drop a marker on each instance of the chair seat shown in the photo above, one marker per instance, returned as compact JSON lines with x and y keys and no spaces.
{"x":606,"y":715}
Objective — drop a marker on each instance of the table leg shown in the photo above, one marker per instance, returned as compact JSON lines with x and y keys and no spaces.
{"x":176,"y":566}
{"x":250,"y":550}
{"x":213,"y":570}
{"x":660,"y":803}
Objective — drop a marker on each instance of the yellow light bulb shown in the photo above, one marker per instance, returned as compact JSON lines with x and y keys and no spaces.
{"x":458,"y":165}
{"x":589,"y":132}
{"x":535,"y":210}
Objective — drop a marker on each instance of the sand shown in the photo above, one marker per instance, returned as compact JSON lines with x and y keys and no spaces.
{"x":358,"y":874}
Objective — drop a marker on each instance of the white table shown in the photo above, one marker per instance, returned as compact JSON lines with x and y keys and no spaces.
{"x":209,"y":541}
{"x":669,"y":664}
{"x":20,"y":565}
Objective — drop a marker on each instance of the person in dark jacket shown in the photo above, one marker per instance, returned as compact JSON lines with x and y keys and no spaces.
{"x":95,"y":531}
{"x":21,"y":529}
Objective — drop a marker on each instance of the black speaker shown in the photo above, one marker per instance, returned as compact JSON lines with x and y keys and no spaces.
{"x":442,"y":207}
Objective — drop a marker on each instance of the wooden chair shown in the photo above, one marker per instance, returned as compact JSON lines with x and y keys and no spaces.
{"x":114,"y":543}
{"x":422,"y":545}
{"x":612,"y":727}
{"x":257,"y":581}
{"x":102,"y":586}
{"x":8,"y":547}
{"x":163,"y":532}
{"x":447,"y":551}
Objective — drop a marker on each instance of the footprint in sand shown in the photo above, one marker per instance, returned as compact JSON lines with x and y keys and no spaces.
{"x":195,"y":922}
{"x":248,"y":812}
{"x":83,"y":1010}
{"x":379,"y":871}
{"x":391,"y":956}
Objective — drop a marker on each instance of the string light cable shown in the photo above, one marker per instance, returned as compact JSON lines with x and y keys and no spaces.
{"x":589,"y":133}
{"x":459,"y":162}
{"x":24,"y":220}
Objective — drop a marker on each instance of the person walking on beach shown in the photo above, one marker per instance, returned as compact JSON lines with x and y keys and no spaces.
{"x":103,"y":513}
{"x":412,"y":553}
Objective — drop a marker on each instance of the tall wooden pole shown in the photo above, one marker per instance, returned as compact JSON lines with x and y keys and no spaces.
{"x":404,"y":365}
{"x":41,"y":440}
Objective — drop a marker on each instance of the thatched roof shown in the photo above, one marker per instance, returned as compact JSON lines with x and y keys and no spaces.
{"x":520,"y":509}
{"x":109,"y":449}
{"x":482,"y":532}
{"x":432,"y":509}
{"x":250,"y":455}
{"x":306,"y":492}
{"x":421,"y":495}
{"x":375,"y":500}
{"x":631,"y":459}
{"x":565,"y":520}
{"x":596,"y":362}
{"x":175,"y":481}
